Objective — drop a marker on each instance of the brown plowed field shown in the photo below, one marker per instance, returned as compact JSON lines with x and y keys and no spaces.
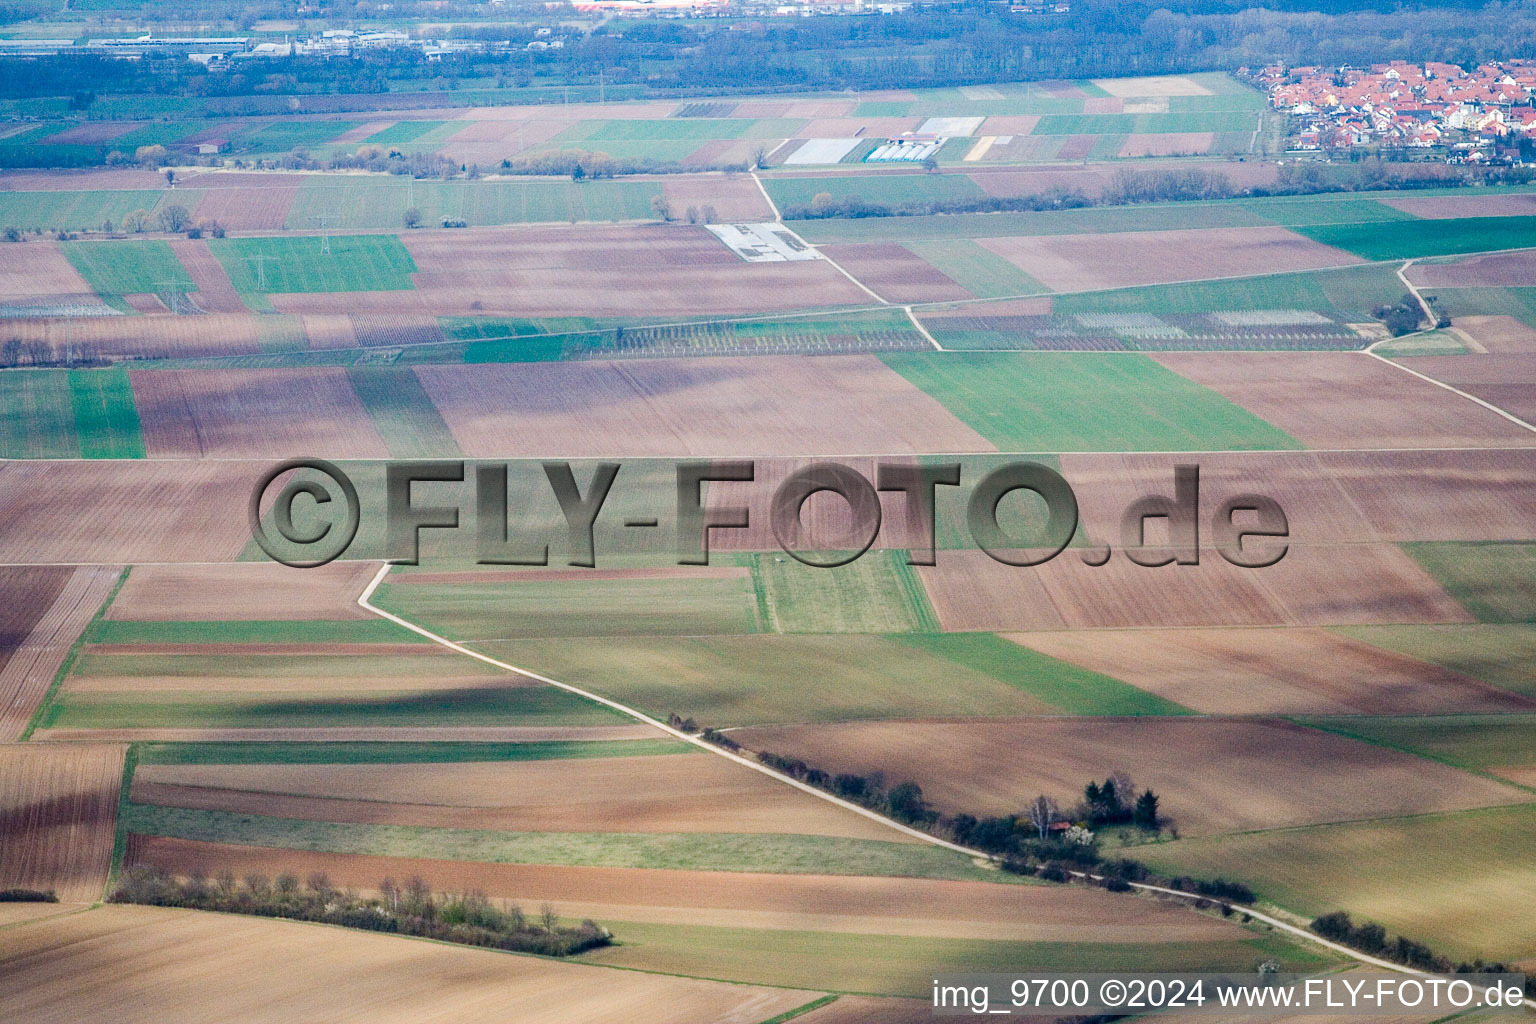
{"x":92,"y":133}
{"x":812,"y":902}
{"x":1499,"y":334}
{"x":46,"y":611}
{"x":587,"y":271}
{"x":896,"y":273}
{"x":124,"y":512}
{"x":130,"y":965}
{"x":1091,"y":178}
{"x":875,"y":1010}
{"x":1330,"y":497}
{"x":396,"y":329}
{"x":215,"y":294}
{"x":1347,"y":400}
{"x":163,"y":337}
{"x":732,"y":407}
{"x":68,"y":180}
{"x":1312,"y":585}
{"x":1495,"y":270}
{"x":857,"y":127}
{"x":1077,"y":147}
{"x":240,"y":591}
{"x":146,"y":303}
{"x":1168,"y":144}
{"x":1012,"y":124}
{"x":1274,"y":671}
{"x":734,"y":199}
{"x":1454,"y":207}
{"x":362,"y":734}
{"x":1067,"y":263}
{"x":1214,"y":775}
{"x":693,"y":792}
{"x":1505,"y":380}
{"x":209,"y":413}
{"x":663,"y":572}
{"x":261,"y":207}
{"x":490,"y":142}
{"x":37,"y":272}
{"x":329,"y":330}
{"x":58,"y":812}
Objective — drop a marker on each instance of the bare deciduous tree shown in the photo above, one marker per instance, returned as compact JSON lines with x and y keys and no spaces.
{"x":1043,"y":813}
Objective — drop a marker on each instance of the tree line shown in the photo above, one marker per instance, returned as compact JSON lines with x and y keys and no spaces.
{"x":1371,"y":937}
{"x":412,"y":909}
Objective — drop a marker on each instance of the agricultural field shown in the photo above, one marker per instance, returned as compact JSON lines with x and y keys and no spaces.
{"x":355,"y":263}
{"x":58,"y":811}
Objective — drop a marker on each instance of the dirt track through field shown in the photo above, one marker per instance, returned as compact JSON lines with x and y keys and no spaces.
{"x":32,"y":665}
{"x":58,"y":813}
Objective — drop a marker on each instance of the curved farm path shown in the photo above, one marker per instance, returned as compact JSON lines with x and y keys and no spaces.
{"x":364,"y":600}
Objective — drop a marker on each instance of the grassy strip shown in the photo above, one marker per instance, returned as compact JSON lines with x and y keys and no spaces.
{"x":788,"y":1015}
{"x":403,"y":413}
{"x":400,"y":753}
{"x":120,"y":834}
{"x":713,"y":851}
{"x":307,"y":631}
{"x":44,"y":706}
{"x":1473,"y":743}
{"x":916,"y":593}
{"x":1072,"y":689}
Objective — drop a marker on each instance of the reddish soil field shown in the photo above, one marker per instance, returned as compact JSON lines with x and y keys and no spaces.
{"x":666,"y":793}
{"x":151,"y":965}
{"x":1311,"y":585}
{"x":247,"y":208}
{"x":896,"y":273}
{"x":664,"y":572}
{"x":157,"y":337}
{"x":727,"y":407}
{"x":1103,"y":105}
{"x":1090,"y":178}
{"x":1507,"y":380}
{"x":215,"y":293}
{"x":1330,"y":497}
{"x":58,"y":811}
{"x":1347,"y":400}
{"x":585,"y":271}
{"x":1274,"y":671}
{"x":1168,"y":144}
{"x":146,"y":303}
{"x":734,"y":199}
{"x":242,"y":591}
{"x":73,"y":180}
{"x":1214,"y":775}
{"x":47,"y":610}
{"x":330,"y":330}
{"x":1499,"y":334}
{"x":208,"y":413}
{"x":893,"y":905}
{"x":240,"y":180}
{"x":874,"y":1010}
{"x":1085,"y":262}
{"x":38,"y":272}
{"x":396,"y":329}
{"x":93,"y":132}
{"x":1495,"y":270}
{"x":124,"y":512}
{"x":1077,"y":147}
{"x":1452,"y":207}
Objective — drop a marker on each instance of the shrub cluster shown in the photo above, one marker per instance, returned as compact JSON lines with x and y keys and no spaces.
{"x":28,"y":896}
{"x":469,"y":918}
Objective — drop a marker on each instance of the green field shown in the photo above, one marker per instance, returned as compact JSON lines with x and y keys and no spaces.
{"x":889,"y":188}
{"x":374,"y":202}
{"x":692,"y":851}
{"x":408,"y":131}
{"x":1495,"y":581}
{"x":106,"y":418}
{"x":663,"y":151}
{"x":1404,"y":239}
{"x":1084,"y":401}
{"x":905,"y":965}
{"x":1483,"y":742}
{"x":768,"y":679}
{"x":1066,"y":687}
{"x":876,"y":593}
{"x":282,"y":136}
{"x":74,"y":210}
{"x":402,"y":413}
{"x":128,"y":268}
{"x":1315,"y":210}
{"x":356,"y":263}
{"x":1350,"y":292}
{"x":1501,"y":655}
{"x":307,"y":631}
{"x":577,"y":607}
{"x":975,"y":268}
{"x":431,"y":663}
{"x":671,"y":129}
{"x":471,"y":706}
{"x":399,"y":753}
{"x":1463,"y":883}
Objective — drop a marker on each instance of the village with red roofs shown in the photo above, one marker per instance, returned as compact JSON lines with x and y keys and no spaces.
{"x":1476,"y":115}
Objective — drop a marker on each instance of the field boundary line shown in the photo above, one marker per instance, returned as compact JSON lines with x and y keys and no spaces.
{"x":1517,"y":421}
{"x":365,"y":602}
{"x":921,"y":329}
